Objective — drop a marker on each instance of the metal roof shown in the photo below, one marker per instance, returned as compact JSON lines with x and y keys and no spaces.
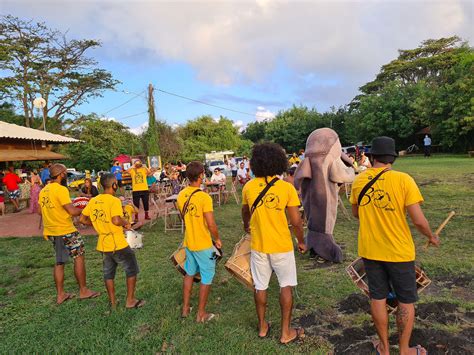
{"x":10,"y":130}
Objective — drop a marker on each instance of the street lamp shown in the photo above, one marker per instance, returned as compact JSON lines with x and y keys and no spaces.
{"x":39,"y":103}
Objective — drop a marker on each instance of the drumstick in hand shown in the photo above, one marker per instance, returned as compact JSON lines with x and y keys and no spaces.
{"x":442,"y":225}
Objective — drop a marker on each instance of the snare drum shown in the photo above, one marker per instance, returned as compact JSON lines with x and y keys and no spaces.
{"x":356,"y":271}
{"x":239,"y":263}
{"x":134,"y":239}
{"x":80,"y":202}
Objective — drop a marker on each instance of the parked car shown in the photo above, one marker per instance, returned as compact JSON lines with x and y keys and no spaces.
{"x":75,"y":179}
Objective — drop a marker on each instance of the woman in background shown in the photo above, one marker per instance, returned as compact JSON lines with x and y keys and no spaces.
{"x":89,"y":190}
{"x":34,"y":192}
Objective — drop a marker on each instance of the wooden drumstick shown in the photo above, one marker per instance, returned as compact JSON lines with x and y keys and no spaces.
{"x":442,"y":225}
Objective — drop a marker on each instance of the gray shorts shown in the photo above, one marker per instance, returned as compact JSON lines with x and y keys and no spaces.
{"x":125,"y":257}
{"x":66,"y":246}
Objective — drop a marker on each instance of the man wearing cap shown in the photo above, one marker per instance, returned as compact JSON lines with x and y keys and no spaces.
{"x":380,"y":199}
{"x":57,"y":212}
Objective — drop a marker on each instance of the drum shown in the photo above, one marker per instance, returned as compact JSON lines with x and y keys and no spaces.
{"x":80,"y":202}
{"x":179,"y":257}
{"x":239,"y":263}
{"x":134,"y":239}
{"x":358,"y":276}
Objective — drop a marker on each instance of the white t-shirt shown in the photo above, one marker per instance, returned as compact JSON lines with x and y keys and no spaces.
{"x":233,"y":164}
{"x":242,"y":173}
{"x":221,"y":179}
{"x":427,"y":140}
{"x":246,"y":164}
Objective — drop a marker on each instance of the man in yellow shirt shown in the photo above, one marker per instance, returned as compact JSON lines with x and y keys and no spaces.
{"x":140,"y":187}
{"x":380,"y":199}
{"x":196,"y":207}
{"x":271,"y":242}
{"x":105,"y":213}
{"x":57,"y":211}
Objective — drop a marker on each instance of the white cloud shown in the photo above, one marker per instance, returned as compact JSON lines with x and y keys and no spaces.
{"x":244,"y":41}
{"x":103,"y":118}
{"x":238,"y":123}
{"x":140,"y":129}
{"x":263,"y":114}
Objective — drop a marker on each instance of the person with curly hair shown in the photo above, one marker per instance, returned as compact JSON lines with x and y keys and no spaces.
{"x":271,"y":242}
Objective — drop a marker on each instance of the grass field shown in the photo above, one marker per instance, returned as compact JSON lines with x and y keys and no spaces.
{"x":326,"y":301}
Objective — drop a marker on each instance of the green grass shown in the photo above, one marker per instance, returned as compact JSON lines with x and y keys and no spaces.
{"x":31,"y":322}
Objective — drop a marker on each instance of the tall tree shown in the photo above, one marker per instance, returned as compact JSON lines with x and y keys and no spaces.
{"x":39,"y":60}
{"x":151,"y":135}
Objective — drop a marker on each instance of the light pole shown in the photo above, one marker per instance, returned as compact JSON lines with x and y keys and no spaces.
{"x":39,"y":103}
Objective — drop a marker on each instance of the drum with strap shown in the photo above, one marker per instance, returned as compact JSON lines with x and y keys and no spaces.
{"x":80,"y":202}
{"x":134,"y":239}
{"x":356,"y":271}
{"x":179,"y":257}
{"x":239,"y":263}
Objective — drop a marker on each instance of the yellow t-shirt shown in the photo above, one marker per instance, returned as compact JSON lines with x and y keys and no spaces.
{"x":383,"y":230}
{"x":139,"y":179}
{"x":56,"y":220}
{"x":197,"y":236}
{"x":128,"y":212}
{"x":100,"y":210}
{"x":268,"y":224}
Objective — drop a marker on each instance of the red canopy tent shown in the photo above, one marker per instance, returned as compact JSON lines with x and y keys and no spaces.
{"x":122,"y":158}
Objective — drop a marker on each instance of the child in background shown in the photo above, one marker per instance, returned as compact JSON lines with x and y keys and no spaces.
{"x":129,"y":210}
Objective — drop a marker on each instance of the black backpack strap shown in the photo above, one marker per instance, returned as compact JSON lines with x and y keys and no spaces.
{"x":262,"y":194}
{"x":369,"y":185}
{"x":186,"y":204}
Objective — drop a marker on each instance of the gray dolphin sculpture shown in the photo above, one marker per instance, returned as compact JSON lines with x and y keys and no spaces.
{"x":318,"y":176}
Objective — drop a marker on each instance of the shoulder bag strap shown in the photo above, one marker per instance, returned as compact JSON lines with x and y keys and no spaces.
{"x":186,"y":204}
{"x":262,"y":194}
{"x":369,"y":185}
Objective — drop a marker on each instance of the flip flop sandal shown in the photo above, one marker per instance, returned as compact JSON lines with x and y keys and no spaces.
{"x":419,"y":348}
{"x":92,"y":295}
{"x":69,"y":296}
{"x":299,"y":336}
{"x":208,"y":318}
{"x":138,"y":304}
{"x":268,"y":331}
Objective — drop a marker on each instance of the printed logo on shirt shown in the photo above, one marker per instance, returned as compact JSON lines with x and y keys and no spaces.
{"x":192,"y":210}
{"x":99,"y":214}
{"x":139,"y":178}
{"x":379,"y":198}
{"x":46,"y":202}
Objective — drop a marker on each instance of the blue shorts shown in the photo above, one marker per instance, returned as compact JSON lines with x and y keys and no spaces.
{"x":202,"y":261}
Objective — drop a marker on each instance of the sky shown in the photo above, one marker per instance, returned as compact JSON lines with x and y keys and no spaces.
{"x":255,"y":57}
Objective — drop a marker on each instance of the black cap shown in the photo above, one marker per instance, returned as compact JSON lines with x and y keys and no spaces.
{"x":383,"y":146}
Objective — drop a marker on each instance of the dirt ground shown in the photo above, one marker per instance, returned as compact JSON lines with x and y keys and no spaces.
{"x":337,"y":326}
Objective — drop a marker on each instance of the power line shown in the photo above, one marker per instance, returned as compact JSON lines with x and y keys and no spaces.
{"x":123,"y":104}
{"x":208,"y":104}
{"x":136,"y":114}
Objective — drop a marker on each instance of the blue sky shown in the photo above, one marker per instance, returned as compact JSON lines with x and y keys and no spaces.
{"x":257,"y":57}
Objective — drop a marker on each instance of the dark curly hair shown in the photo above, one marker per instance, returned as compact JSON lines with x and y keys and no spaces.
{"x":268,"y":159}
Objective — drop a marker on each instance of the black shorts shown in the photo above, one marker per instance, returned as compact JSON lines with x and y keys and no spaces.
{"x":119,"y":183}
{"x":234,"y":173}
{"x":399,"y":277}
{"x":125,"y":257}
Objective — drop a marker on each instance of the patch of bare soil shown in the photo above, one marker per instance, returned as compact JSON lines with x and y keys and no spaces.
{"x":438,"y":342}
{"x":354,"y":303}
{"x":428,"y":182}
{"x":346,"y":339}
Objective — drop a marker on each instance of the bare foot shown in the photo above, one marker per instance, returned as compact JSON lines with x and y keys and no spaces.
{"x":186,"y":311}
{"x":64,"y":297}
{"x":294,"y":335}
{"x":263,"y":331}
{"x":86,"y":294}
